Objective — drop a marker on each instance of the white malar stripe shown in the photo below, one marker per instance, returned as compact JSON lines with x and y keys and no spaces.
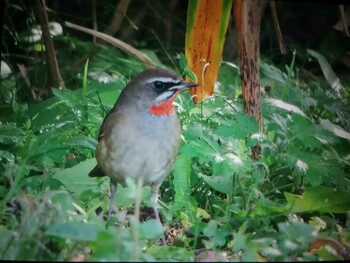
{"x":162,"y":79}
{"x":164,"y":96}
{"x":178,"y":86}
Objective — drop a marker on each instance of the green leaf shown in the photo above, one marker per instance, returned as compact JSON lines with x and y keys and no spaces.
{"x":67,"y":96}
{"x":211,"y":229}
{"x":10,"y":133}
{"x":199,"y":149}
{"x":171,"y":253}
{"x":182,"y":174}
{"x":240,"y":128}
{"x":309,"y":134}
{"x":9,"y":157}
{"x":321,"y":199}
{"x":273,"y":73}
{"x":298,"y":231}
{"x":64,"y":201}
{"x":285,"y":106}
{"x":151,"y":229}
{"x":74,"y":231}
{"x":310,"y":165}
{"x":287,"y":88}
{"x":218,"y":234}
{"x":83,"y":141}
{"x":85,"y":81}
{"x":183,"y":61}
{"x":335,"y":129}
{"x":225,"y":168}
{"x":76,"y":178}
{"x":113,"y":244}
{"x":189,"y":73}
{"x":328,"y":72}
{"x":223,"y":184}
{"x":240,"y":241}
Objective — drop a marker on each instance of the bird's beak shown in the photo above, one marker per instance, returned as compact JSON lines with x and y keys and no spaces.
{"x":184,"y":85}
{"x":190,"y":84}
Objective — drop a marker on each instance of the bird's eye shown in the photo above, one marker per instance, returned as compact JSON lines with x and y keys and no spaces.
{"x":158,"y":85}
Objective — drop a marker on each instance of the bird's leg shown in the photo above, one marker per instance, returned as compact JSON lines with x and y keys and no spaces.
{"x":138,"y":197}
{"x":154,"y":201}
{"x":136,"y":221}
{"x":113,"y":188}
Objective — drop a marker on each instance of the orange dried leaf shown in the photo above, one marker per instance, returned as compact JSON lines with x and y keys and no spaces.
{"x":207,"y":22}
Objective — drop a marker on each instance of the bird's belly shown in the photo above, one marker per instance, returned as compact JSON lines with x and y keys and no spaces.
{"x":139,"y":153}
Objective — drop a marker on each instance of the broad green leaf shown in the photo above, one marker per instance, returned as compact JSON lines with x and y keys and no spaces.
{"x":199,"y":149}
{"x":64,"y":200}
{"x":74,"y":231}
{"x":337,"y":130}
{"x":76,"y":178}
{"x":184,"y":68}
{"x":309,"y":134}
{"x":9,"y":157}
{"x":10,"y":133}
{"x":295,"y":236}
{"x":151,"y":229}
{"x":113,"y":244}
{"x":48,"y":146}
{"x":321,"y":199}
{"x":226,"y":167}
{"x":67,"y":96}
{"x":239,"y":128}
{"x":212,"y":142}
{"x":223,"y":184}
{"x":328,"y":72}
{"x":83,"y":141}
{"x":171,"y":253}
{"x":318,"y":198}
{"x":182,"y":173}
{"x":242,"y":242}
{"x":189,"y":73}
{"x":274,"y":73}
{"x":312,"y":166}
{"x":211,"y":229}
{"x":297,"y":231}
{"x":105,"y":243}
{"x":183,"y":61}
{"x":217,"y":234}
{"x":285,"y":106}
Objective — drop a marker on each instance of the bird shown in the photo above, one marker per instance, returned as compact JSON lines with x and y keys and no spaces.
{"x":140,"y":136}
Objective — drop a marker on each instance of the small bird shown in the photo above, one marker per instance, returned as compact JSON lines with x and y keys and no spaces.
{"x":140,"y":136}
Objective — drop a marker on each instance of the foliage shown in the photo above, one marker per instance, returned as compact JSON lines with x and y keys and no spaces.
{"x":292,"y":205}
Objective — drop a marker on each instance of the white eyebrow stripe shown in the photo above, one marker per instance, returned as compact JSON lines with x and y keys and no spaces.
{"x":163,"y":79}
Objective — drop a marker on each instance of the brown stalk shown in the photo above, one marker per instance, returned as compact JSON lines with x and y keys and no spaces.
{"x":56,"y":77}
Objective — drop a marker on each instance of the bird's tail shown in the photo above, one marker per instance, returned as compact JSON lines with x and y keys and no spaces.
{"x":96,"y":172}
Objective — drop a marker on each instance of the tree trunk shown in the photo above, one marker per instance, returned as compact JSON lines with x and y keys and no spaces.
{"x":248,"y":16}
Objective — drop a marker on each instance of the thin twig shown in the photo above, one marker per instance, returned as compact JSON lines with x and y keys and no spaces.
{"x":116,"y":42}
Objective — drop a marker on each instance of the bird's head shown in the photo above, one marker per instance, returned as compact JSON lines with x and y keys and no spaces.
{"x":155,"y":90}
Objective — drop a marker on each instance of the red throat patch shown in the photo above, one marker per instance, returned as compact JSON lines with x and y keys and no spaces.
{"x":164,"y":108}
